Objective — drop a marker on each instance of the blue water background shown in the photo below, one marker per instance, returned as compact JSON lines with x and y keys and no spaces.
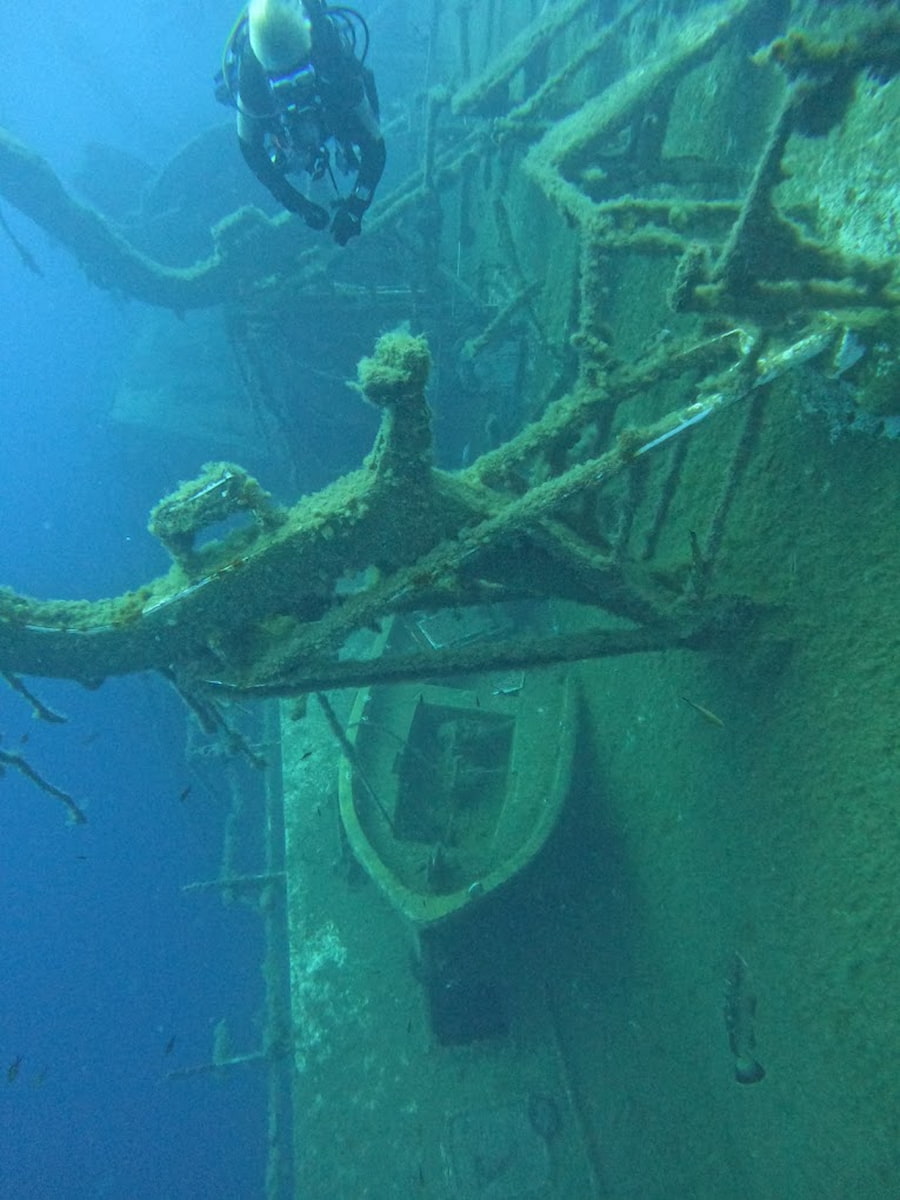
{"x":105,"y":959}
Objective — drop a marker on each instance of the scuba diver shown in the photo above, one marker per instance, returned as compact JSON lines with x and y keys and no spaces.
{"x":292,"y":71}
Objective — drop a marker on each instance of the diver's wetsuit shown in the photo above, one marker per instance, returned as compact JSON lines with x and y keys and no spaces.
{"x":342,"y":105}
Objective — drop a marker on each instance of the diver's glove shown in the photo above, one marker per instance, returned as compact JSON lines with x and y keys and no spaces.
{"x":347,"y":221}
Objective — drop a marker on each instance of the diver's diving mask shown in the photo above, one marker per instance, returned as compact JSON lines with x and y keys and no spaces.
{"x":294,"y":89}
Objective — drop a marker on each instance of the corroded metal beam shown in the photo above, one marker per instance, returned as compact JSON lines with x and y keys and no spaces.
{"x":268,"y":606}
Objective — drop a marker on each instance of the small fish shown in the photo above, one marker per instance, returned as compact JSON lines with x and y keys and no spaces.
{"x":12,"y":1071}
{"x":706,"y":713}
{"x":185,"y":793}
{"x":740,"y":1019}
{"x":170,"y":1045}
